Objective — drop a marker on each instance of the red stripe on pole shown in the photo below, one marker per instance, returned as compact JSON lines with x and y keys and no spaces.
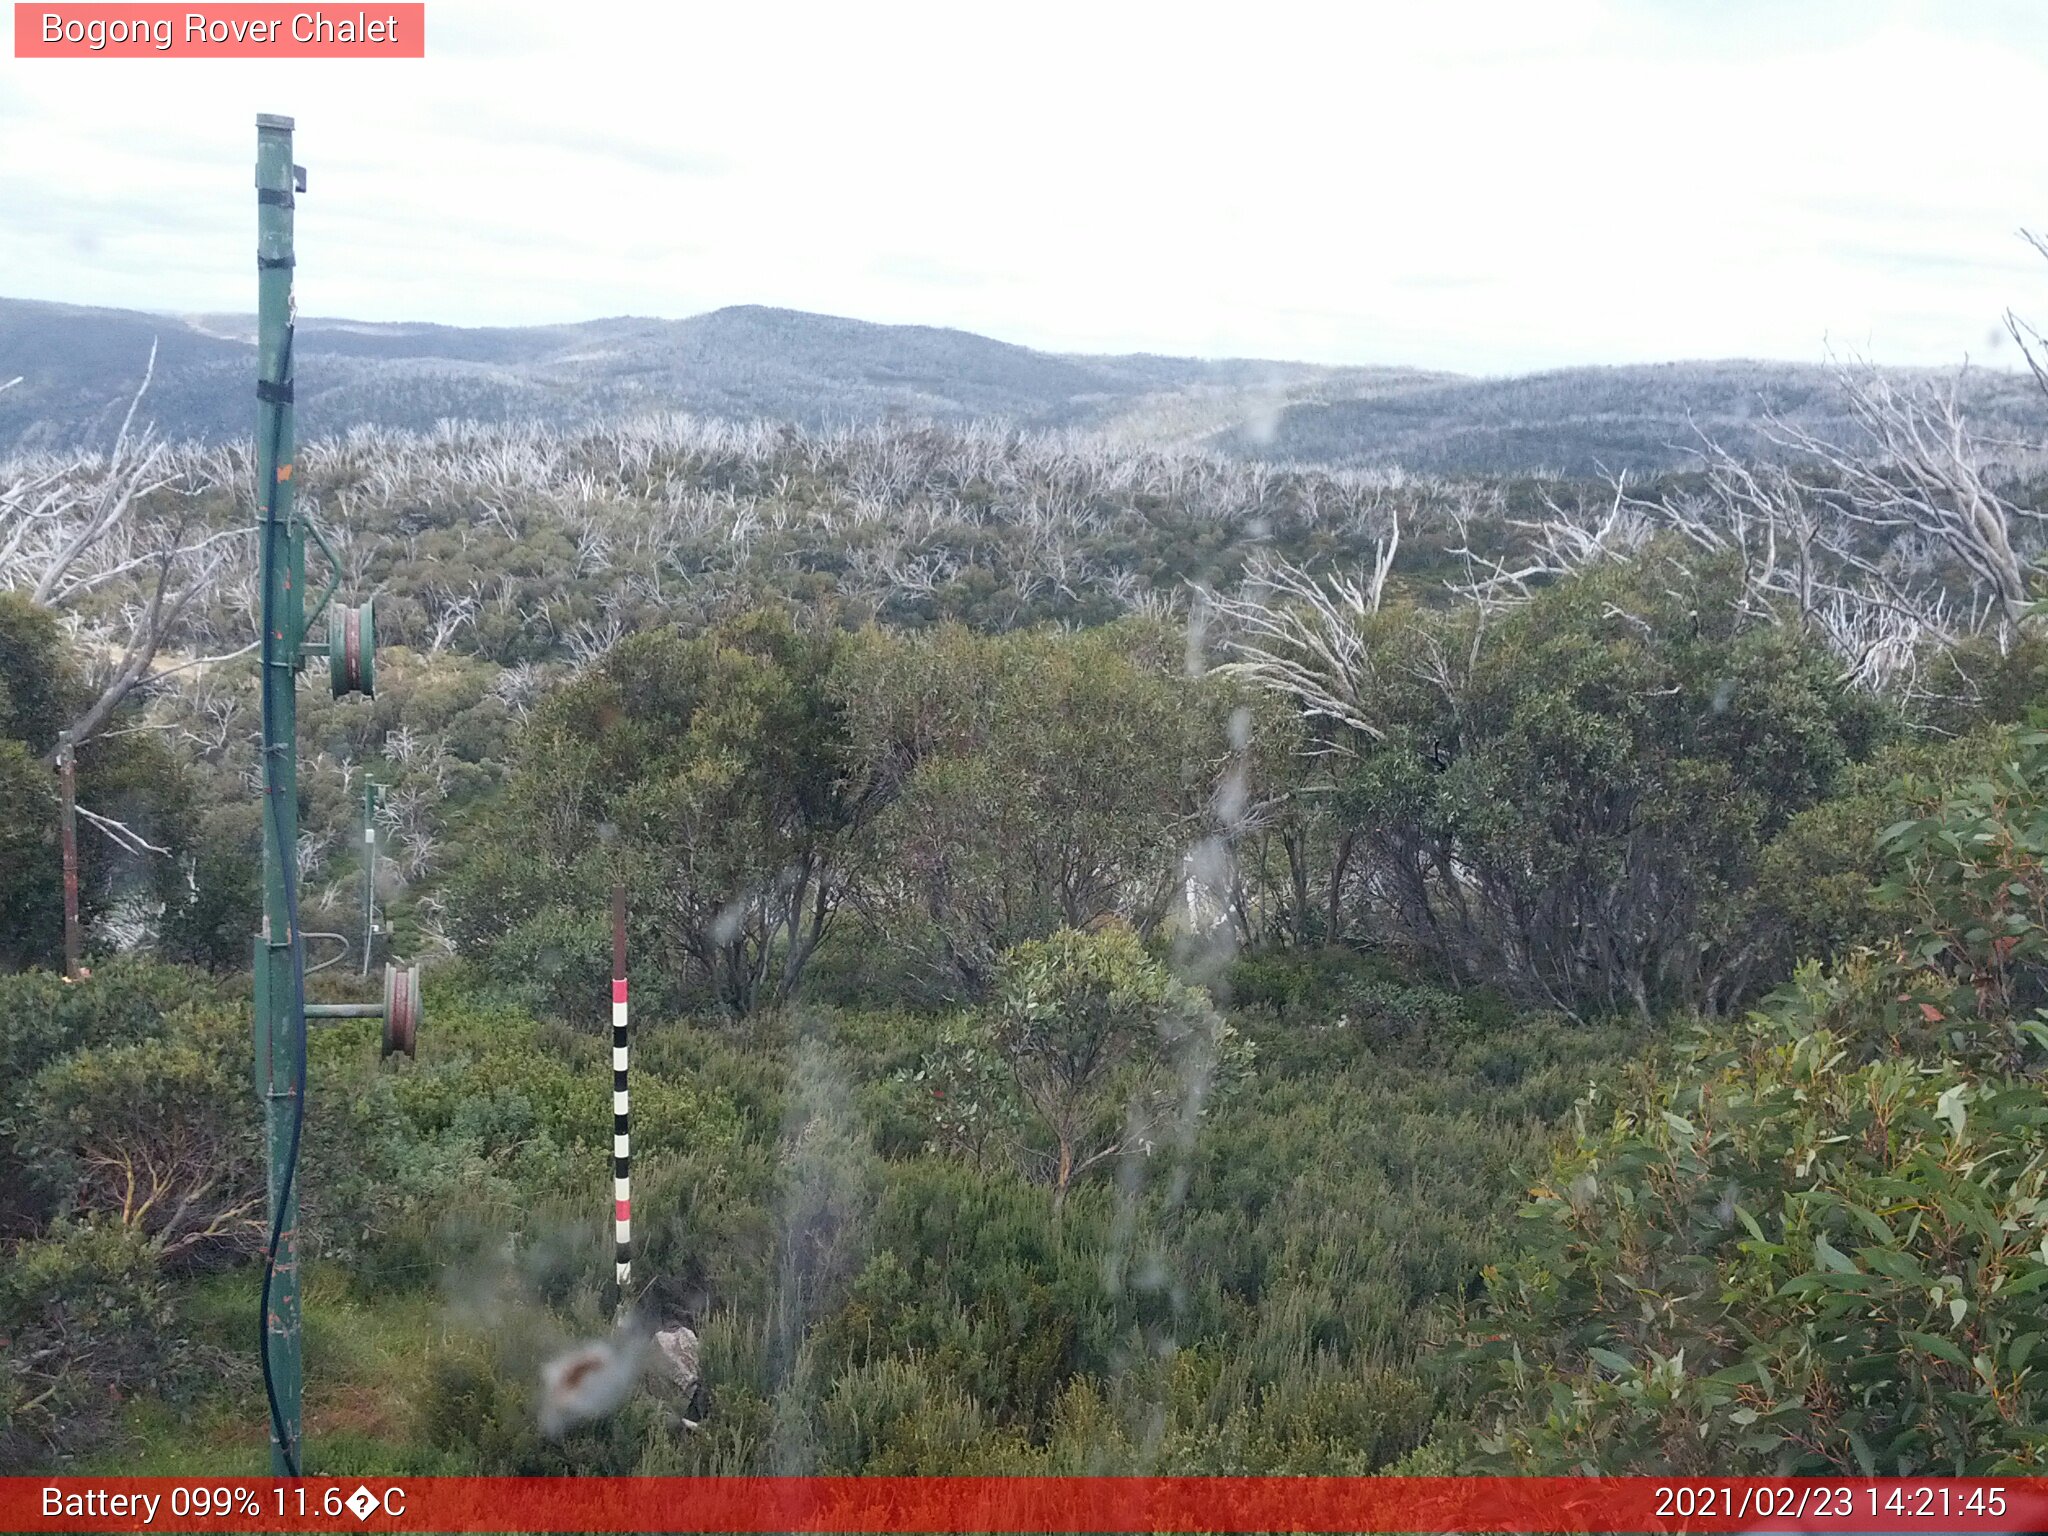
{"x":618,"y":989}
{"x":622,"y":1210}
{"x":1033,"y":1504}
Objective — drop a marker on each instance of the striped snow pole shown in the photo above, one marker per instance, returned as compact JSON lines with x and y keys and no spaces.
{"x":622,"y":1151}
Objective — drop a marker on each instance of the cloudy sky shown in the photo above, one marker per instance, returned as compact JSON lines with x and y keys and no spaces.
{"x":1488,"y":188}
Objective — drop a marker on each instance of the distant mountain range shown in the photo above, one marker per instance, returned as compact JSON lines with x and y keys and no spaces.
{"x":78,"y":367}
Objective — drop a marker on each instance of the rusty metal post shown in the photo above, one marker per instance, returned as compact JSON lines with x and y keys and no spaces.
{"x":67,"y":832}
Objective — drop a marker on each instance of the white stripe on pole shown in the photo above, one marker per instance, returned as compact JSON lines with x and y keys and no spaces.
{"x":622,"y":1171}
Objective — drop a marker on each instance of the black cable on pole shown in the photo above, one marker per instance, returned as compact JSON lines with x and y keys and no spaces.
{"x":287,"y":859}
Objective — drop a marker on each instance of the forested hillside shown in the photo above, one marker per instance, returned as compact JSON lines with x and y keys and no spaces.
{"x":1598,"y":421}
{"x":1142,"y":960}
{"x":77,"y":369}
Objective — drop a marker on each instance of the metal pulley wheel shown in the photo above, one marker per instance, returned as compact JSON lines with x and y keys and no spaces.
{"x":352,"y":651}
{"x":401,"y":1008}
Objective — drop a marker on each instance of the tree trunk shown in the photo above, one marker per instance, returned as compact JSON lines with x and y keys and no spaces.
{"x":1340,"y":867}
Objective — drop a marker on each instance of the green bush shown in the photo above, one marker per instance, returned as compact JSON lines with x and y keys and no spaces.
{"x":1577,"y":812}
{"x":1090,"y":1051}
{"x":1817,"y":881}
{"x":497,"y":1117}
{"x":901,"y":1418}
{"x":31,"y":888}
{"x":1773,"y":1262}
{"x":86,"y":1320}
{"x":1968,"y":880}
{"x":160,"y":1136}
{"x":481,"y":1408}
{"x":43,"y":1019}
{"x":211,"y":921}
{"x":1817,"y":1242}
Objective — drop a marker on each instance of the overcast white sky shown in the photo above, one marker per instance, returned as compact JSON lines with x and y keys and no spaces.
{"x":1489,"y":188}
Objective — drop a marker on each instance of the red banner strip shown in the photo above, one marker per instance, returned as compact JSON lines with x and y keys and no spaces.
{"x":377,"y":30}
{"x":1025,"y":1504}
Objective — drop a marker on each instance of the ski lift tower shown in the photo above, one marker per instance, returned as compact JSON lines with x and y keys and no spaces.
{"x":281,"y":1010}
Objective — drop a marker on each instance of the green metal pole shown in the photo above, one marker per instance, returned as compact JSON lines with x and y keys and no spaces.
{"x":280,"y":1021}
{"x":371,"y":793}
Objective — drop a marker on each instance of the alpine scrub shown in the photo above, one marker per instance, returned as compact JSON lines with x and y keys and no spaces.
{"x":1817,"y":1239}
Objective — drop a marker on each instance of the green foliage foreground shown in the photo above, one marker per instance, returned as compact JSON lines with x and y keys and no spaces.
{"x":1257,"y":1297}
{"x":1819,"y":1239}
{"x":968,"y":1151}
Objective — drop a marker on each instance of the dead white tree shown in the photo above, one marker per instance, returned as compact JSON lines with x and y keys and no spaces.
{"x":2032,"y":344}
{"x":1922,"y":470}
{"x":589,"y":640}
{"x":88,"y":537}
{"x":518,"y":687}
{"x":1866,"y":546}
{"x":1567,"y":540}
{"x":1306,"y":638}
{"x":1876,"y":604}
{"x":450,"y":612}
{"x":73,"y":528}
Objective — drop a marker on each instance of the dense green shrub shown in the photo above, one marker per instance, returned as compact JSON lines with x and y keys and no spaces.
{"x":213,"y":919}
{"x":44,"y":1019}
{"x":900,"y":1418}
{"x":1773,"y":1262}
{"x":496,"y":1120}
{"x":1602,"y":774}
{"x":1090,"y":1051}
{"x":719,"y":762}
{"x":158,"y":1135}
{"x":1967,"y":881}
{"x":1817,"y":1242}
{"x":1817,"y":880}
{"x":1033,"y":781}
{"x":86,"y":1320}
{"x":1624,"y":797}
{"x":31,"y":886}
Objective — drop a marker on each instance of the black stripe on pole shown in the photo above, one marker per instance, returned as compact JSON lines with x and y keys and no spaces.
{"x":621,"y":1163}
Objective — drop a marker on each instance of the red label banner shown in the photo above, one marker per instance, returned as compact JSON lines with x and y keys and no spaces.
{"x":236,"y":31}
{"x":1025,"y":1504}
